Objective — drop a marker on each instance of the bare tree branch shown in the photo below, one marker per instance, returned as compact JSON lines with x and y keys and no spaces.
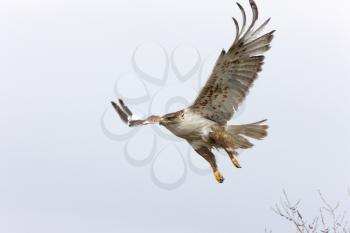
{"x":328,"y":220}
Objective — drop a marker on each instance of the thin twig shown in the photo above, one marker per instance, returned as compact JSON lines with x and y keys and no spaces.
{"x":331,"y":220}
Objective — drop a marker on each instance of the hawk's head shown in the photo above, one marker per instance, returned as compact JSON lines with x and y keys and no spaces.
{"x":172,"y":118}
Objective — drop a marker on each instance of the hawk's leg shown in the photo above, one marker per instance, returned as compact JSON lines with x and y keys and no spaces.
{"x":225,"y":141}
{"x":233,"y":156}
{"x":210,"y":157}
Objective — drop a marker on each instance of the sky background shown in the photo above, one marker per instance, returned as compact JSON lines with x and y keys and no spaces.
{"x":60,"y":172}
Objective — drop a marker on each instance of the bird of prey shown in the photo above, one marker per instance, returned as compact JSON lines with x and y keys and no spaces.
{"x":204,"y":124}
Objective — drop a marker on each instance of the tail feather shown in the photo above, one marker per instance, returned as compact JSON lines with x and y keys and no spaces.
{"x":241,"y":142}
{"x":255,"y":130}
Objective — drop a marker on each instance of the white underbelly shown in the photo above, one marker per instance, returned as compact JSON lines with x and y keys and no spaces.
{"x":193,"y":127}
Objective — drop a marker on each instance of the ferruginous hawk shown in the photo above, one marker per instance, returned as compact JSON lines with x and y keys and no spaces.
{"x":204,"y":123}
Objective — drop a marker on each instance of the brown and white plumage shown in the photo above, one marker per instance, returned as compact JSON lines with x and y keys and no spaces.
{"x":204,"y":123}
{"x":234,"y":72}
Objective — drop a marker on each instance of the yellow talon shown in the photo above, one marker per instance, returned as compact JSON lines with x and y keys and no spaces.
{"x":218,"y":177}
{"x":236,"y":163}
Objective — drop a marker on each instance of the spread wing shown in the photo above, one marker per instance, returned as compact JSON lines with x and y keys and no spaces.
{"x":234,"y":71}
{"x":126,"y":115}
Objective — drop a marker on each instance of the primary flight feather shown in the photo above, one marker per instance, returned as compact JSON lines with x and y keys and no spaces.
{"x":204,"y":123}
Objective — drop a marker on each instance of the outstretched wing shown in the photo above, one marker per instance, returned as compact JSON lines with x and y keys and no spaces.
{"x":126,"y":115}
{"x":234,"y":71}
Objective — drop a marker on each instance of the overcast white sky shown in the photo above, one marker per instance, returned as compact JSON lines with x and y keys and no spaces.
{"x":59,"y":62}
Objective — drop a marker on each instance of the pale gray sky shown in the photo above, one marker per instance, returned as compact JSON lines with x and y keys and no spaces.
{"x":59,"y":62}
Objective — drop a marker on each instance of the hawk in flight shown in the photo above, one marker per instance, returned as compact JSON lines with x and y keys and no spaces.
{"x":204,"y":123}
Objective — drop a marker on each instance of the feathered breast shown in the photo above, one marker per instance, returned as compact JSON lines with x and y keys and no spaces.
{"x":192,"y":127}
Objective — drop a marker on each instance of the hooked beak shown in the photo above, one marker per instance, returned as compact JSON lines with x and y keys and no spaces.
{"x":162,"y":121}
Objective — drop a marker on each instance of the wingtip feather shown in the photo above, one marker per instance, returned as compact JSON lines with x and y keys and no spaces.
{"x":254,"y":9}
{"x":120,"y":112}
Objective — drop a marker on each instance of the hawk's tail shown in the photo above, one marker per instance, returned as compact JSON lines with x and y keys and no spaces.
{"x":255,"y":130}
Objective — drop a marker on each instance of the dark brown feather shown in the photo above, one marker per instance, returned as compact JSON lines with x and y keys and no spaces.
{"x":120,"y":112}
